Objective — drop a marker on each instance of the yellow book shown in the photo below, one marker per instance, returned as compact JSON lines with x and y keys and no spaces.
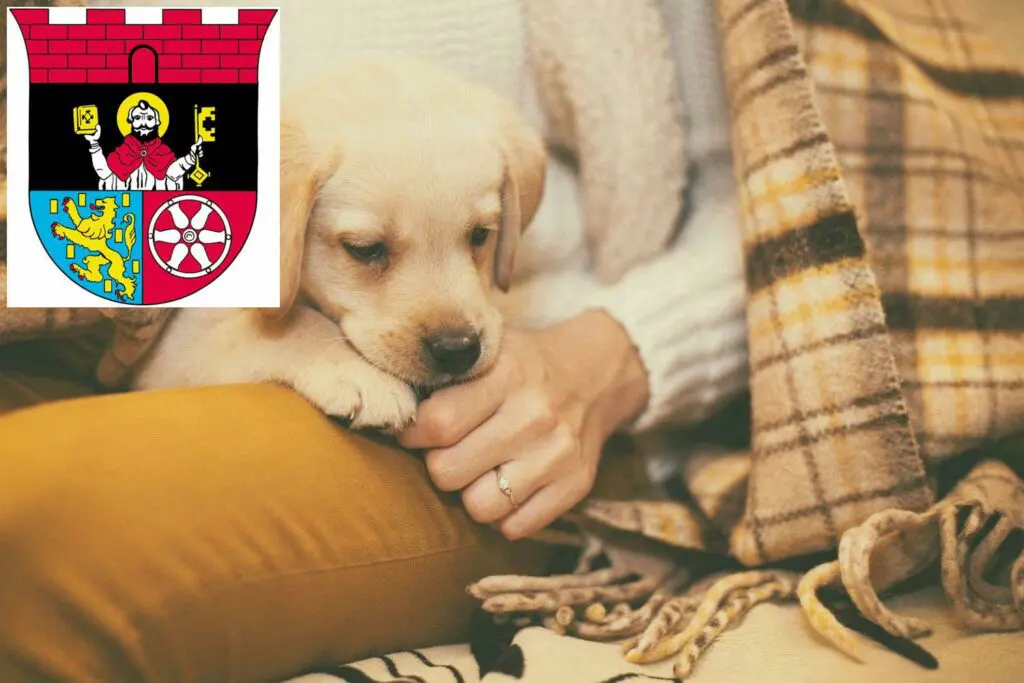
{"x":86,"y":118}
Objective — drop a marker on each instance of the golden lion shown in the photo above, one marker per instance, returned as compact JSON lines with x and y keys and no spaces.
{"x":93,"y":233}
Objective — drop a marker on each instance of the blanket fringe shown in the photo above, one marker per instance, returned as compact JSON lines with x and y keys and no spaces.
{"x":965,"y":550}
{"x":659,"y":618}
{"x":821,"y":619}
{"x":667,"y":623}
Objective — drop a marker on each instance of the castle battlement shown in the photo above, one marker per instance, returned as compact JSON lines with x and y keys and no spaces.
{"x":108,"y":49}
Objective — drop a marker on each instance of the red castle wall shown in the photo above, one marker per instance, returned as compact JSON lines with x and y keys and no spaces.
{"x":188,"y":51}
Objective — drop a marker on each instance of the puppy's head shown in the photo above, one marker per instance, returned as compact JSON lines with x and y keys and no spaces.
{"x":404,"y":193}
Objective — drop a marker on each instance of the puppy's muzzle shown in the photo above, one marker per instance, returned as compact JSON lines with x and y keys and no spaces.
{"x":452,"y":351}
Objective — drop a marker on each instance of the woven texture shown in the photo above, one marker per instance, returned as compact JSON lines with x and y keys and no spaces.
{"x":879,"y":152}
{"x":885,"y":258}
{"x":880,"y":159}
{"x":606,"y":78}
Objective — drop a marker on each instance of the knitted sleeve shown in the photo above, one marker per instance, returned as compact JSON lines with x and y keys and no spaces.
{"x":683,"y":306}
{"x":684,"y":310}
{"x":606,"y":80}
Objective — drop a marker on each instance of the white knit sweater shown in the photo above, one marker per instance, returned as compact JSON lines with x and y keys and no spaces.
{"x":685,"y":309}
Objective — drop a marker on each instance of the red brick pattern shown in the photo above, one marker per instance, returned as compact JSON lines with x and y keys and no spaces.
{"x":99,"y":51}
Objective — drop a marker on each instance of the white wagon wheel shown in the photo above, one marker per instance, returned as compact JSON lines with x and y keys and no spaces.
{"x":189,"y":236}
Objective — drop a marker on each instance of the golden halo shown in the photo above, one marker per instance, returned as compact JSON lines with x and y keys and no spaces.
{"x":135,"y":98}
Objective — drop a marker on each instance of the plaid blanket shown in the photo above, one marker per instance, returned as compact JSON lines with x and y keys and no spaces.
{"x":879,"y":148}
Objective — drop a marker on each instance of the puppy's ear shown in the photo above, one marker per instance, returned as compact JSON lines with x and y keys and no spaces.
{"x":303,"y":172}
{"x":521,"y":192}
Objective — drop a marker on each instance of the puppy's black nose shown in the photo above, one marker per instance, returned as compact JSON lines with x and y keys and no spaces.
{"x":453,"y":352}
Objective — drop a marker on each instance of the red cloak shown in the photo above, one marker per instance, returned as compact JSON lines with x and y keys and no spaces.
{"x":133,"y":153}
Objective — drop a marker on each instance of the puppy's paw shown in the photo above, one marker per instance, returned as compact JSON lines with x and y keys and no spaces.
{"x":386,"y":403}
{"x":360,"y":393}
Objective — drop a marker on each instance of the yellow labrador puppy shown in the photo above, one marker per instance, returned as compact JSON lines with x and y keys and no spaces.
{"x":404,"y":190}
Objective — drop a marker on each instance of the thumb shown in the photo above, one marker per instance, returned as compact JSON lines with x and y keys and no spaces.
{"x":97,"y":133}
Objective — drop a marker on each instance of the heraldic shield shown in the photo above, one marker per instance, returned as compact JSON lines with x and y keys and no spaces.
{"x":143,"y":147}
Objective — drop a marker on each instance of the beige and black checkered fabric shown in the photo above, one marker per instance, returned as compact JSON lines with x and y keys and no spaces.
{"x":880,"y":148}
{"x":879,"y":152}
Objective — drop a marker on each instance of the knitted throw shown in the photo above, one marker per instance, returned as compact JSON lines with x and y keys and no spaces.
{"x":879,"y":149}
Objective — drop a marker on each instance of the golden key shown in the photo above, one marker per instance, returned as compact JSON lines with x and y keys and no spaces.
{"x":202,"y":116}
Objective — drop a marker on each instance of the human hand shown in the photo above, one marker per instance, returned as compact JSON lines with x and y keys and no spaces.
{"x":542,"y":414}
{"x":197,"y":149}
{"x":93,"y":138}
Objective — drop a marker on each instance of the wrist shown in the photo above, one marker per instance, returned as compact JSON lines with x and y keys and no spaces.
{"x":609,"y":375}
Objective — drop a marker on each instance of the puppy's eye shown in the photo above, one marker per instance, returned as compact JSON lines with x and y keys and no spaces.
{"x":367,"y":253}
{"x":478,"y":236}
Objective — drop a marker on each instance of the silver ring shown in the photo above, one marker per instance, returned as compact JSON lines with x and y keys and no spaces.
{"x":505,"y":488}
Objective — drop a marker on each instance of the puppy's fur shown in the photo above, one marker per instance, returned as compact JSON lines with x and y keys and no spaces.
{"x":413,"y":165}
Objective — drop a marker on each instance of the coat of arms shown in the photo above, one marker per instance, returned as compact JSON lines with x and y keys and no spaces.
{"x":135,"y":150}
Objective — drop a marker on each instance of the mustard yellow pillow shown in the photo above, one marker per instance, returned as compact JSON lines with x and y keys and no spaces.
{"x":225,"y":534}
